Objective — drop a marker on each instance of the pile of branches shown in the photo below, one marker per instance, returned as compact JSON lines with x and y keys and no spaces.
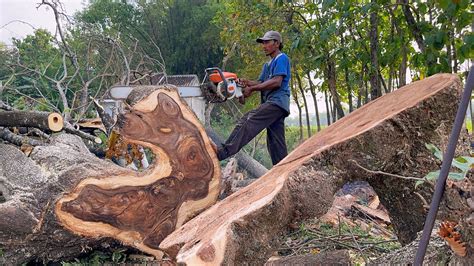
{"x":27,"y":129}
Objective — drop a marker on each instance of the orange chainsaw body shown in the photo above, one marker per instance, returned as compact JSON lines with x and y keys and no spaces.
{"x":216,"y":78}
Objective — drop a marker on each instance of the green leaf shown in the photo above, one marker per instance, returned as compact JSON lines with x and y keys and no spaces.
{"x":328,"y":3}
{"x":444,"y":3}
{"x":431,"y":176}
{"x":419,"y":182}
{"x":463,"y":163}
{"x":436,"y":152}
{"x":457,"y":176}
{"x":366,"y":8}
{"x":295,"y":43}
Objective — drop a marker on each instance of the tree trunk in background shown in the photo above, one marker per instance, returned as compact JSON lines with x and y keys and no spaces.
{"x":300,"y":86}
{"x":333,"y":110}
{"x":349,"y":89}
{"x":332,"y":79}
{"x":403,"y":66}
{"x":328,"y":109}
{"x":300,"y":115}
{"x":361,"y":88}
{"x":390,"y":78}
{"x":388,"y":135}
{"x":366,"y":92}
{"x":455,"y":57}
{"x":412,"y":25}
{"x":376,"y":90}
{"x":346,"y":75}
{"x":315,"y":100}
{"x":449,"y":53}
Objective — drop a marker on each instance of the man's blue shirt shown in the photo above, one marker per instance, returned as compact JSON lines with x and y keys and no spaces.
{"x":278,"y":66}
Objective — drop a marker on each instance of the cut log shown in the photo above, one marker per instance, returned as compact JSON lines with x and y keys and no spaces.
{"x":69,"y":200}
{"x":388,"y":135}
{"x":41,"y":120}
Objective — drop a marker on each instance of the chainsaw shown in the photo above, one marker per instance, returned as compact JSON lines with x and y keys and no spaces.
{"x":218,"y":86}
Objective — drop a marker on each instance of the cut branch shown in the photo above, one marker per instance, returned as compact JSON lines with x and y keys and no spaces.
{"x":41,"y":120}
{"x":7,"y":135}
{"x":70,"y":129}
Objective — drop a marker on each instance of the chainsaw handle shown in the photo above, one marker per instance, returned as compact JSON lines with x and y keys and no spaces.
{"x":213,"y":69}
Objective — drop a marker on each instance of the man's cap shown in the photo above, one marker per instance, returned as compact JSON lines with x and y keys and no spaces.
{"x":270,"y":35}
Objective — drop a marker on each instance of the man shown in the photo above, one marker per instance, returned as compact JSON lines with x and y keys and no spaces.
{"x":275,"y":103}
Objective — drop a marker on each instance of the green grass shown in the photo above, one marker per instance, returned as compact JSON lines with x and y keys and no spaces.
{"x":468,"y":125}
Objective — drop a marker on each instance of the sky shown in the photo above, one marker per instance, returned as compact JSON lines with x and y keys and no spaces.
{"x":12,"y":12}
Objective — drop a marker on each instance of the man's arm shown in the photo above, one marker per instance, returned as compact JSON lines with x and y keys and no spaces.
{"x":270,"y":84}
{"x":248,"y":83}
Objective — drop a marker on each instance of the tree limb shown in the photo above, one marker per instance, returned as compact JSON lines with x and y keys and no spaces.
{"x":70,"y":129}
{"x":7,"y":135}
{"x":106,"y":119}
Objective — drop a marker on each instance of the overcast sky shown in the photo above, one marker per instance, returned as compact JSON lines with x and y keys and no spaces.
{"x":14,"y":11}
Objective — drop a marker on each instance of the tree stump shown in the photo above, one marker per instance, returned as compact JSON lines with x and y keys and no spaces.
{"x":69,"y":201}
{"x":388,"y":135}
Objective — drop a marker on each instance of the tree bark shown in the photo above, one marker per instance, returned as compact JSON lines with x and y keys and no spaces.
{"x":403,"y":66}
{"x":331,"y":78}
{"x":388,"y":135}
{"x":315,"y":101}
{"x":68,"y":198}
{"x":41,"y":120}
{"x":328,"y":110}
{"x":346,"y":75}
{"x":7,"y":135}
{"x":376,"y":90}
{"x":300,"y":113}
{"x":300,"y":86}
{"x":412,"y":25}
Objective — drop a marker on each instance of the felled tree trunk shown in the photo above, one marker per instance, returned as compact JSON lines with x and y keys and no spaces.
{"x":388,"y":134}
{"x":69,"y":201}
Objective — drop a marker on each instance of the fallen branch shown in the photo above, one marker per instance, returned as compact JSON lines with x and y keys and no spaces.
{"x":70,"y":129}
{"x":7,"y":135}
{"x":387,"y":174}
{"x":41,"y":120}
{"x":5,"y":106}
{"x":39,"y":133}
{"x":107,"y":120}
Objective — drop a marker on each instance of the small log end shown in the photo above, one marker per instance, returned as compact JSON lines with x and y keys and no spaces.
{"x":55,"y":122}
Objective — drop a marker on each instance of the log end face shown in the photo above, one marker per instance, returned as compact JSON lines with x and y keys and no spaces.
{"x":55,"y":122}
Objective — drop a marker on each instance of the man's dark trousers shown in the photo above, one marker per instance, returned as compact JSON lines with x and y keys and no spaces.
{"x":267,"y":115}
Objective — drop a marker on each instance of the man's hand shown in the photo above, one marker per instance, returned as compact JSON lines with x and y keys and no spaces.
{"x":243,"y":82}
{"x":247,"y":82}
{"x":247,"y":91}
